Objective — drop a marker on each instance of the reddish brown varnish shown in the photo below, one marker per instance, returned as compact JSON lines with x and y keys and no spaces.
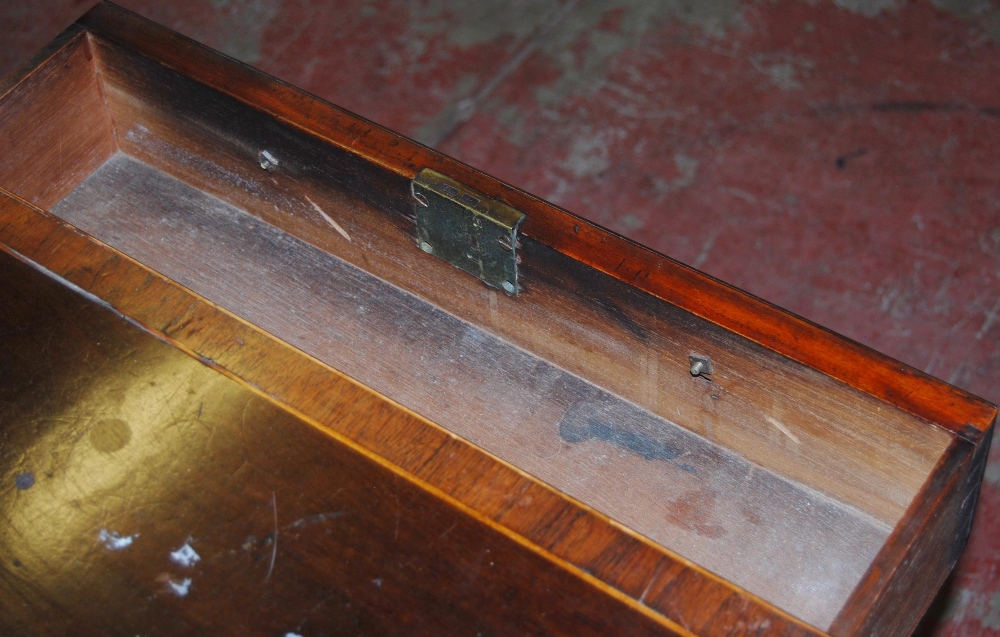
{"x":888,"y":444}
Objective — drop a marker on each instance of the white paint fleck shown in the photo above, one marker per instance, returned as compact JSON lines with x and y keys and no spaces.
{"x":115,"y":542}
{"x":185,"y":556}
{"x":292,"y":635}
{"x":180,"y":589}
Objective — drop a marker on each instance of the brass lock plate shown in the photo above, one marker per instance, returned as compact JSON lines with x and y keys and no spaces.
{"x":467,"y":229}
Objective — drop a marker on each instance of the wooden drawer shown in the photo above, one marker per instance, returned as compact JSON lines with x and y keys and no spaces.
{"x":233,"y":330}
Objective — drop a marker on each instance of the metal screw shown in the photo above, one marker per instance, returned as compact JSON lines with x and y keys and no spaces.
{"x":426,"y":247}
{"x":509,"y":287}
{"x":700,"y":364}
{"x":267,"y":161}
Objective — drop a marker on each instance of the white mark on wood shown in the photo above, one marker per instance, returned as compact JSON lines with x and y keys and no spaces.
{"x":783,"y":429}
{"x":185,"y":556}
{"x":649,"y":584}
{"x":494,"y":309}
{"x":181,"y":588}
{"x":651,"y":377}
{"x":329,"y":219}
{"x":645,"y":591}
{"x":115,"y":542}
{"x":449,"y":530}
{"x":314,"y":519}
{"x":292,"y":635}
{"x":274,"y":544}
{"x":991,"y":318}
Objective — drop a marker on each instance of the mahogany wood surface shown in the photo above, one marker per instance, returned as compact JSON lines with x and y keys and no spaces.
{"x":691,"y":496}
{"x":57,"y":120}
{"x":923,"y":549}
{"x":845,"y":360}
{"x":294,"y":531}
{"x":592,"y":325}
{"x":865,"y":431}
{"x":580,"y":540}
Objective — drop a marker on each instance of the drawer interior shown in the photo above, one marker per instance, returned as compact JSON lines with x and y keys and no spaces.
{"x":773,"y":476}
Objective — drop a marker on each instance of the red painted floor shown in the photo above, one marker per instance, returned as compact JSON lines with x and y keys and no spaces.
{"x":840,"y":158}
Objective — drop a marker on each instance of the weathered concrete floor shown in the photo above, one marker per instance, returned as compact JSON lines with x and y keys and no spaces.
{"x":836,"y":157}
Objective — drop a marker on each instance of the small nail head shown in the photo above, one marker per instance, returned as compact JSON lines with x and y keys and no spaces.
{"x":267,"y":161}
{"x":700,"y":364}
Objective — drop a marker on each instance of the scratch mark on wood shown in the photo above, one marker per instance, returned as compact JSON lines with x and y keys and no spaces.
{"x":274,"y":545}
{"x":449,"y":529}
{"x":197,"y":419}
{"x":311,"y":612}
{"x":314,"y":519}
{"x":329,"y":219}
{"x":649,"y":585}
{"x":783,"y":429}
{"x":494,"y":309}
{"x":243,"y":415}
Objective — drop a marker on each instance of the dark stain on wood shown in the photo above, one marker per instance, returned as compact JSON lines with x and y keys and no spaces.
{"x":615,"y":423}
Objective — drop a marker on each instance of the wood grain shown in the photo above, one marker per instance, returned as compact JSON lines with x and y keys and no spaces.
{"x":850,"y":446}
{"x":56,"y":129}
{"x":693,"y":497}
{"x":923,"y":549}
{"x":294,"y":531}
{"x":760,"y":322}
{"x":815,"y":410}
{"x":605,"y":554}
